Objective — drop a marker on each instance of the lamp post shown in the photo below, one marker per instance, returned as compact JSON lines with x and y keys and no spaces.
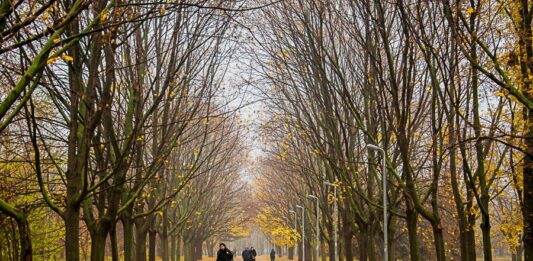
{"x":317,"y":224}
{"x":335,"y":217}
{"x":295,"y":233}
{"x":384,"y":178}
{"x":303,"y":231}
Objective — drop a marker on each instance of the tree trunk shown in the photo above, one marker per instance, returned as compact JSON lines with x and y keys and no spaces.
{"x":439,"y":242}
{"x":209,"y":245}
{"x":178,"y":252}
{"x":198,"y":250}
{"x":362,"y":242}
{"x":173,"y":248}
{"x":164,"y":238}
{"x":412,"y":232}
{"x":72,"y":236}
{"x":347,"y":239}
{"x":471,"y":238}
{"x":300,"y":251}
{"x":151,"y":244}
{"x":98,"y":246}
{"x":485,"y":232}
{"x":291,"y":253}
{"x":188,"y":251}
{"x":127,"y":226}
{"x":323,"y":250}
{"x":308,"y":251}
{"x":331,"y":250}
{"x":114,"y":243}
{"x":370,"y":241}
{"x":25,"y":240}
{"x":140,"y":246}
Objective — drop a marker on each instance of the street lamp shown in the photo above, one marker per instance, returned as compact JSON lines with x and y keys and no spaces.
{"x":317,"y":224}
{"x":295,"y":233}
{"x":335,"y":216}
{"x":303,"y":231}
{"x":384,"y":178}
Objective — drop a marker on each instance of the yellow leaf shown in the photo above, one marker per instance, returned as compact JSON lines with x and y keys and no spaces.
{"x":67,"y":58}
{"x":470,"y":10}
{"x":52,"y":60}
{"x":103,"y":17}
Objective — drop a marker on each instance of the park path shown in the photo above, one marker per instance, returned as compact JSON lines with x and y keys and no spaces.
{"x":239,"y":258}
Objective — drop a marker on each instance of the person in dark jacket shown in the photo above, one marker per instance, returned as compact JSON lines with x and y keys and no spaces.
{"x":254,"y":253}
{"x":272,"y":255}
{"x":247,"y":254}
{"x":223,"y":253}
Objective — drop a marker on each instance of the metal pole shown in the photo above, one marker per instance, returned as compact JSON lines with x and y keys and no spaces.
{"x":385,"y":221}
{"x":384,"y":178}
{"x":336,"y":209}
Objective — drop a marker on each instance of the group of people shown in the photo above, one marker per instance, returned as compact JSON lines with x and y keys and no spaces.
{"x":249,"y":254}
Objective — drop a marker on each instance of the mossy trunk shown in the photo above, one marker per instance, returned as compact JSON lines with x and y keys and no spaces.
{"x":412,"y":229}
{"x":140,"y":244}
{"x":98,"y":246}
{"x":25,"y":240}
{"x":72,"y":236}
{"x":127,"y":226}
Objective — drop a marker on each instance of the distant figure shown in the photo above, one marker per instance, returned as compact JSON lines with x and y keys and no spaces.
{"x":254,"y":253}
{"x":223,"y":253}
{"x":247,"y":254}
{"x":272,"y":255}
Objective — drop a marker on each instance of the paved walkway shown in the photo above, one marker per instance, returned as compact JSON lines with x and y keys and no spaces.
{"x":239,"y":258}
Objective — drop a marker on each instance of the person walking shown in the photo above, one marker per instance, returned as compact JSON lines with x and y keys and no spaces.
{"x":272,"y":255}
{"x":254,"y":253}
{"x":223,"y":253}
{"x":247,"y":254}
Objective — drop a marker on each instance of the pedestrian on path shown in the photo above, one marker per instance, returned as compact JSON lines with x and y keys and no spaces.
{"x":272,"y":255}
{"x":254,"y":253}
{"x":223,"y":253}
{"x":247,"y":254}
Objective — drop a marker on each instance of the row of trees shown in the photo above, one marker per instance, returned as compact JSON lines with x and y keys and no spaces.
{"x":115,"y":127}
{"x":442,"y":86}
